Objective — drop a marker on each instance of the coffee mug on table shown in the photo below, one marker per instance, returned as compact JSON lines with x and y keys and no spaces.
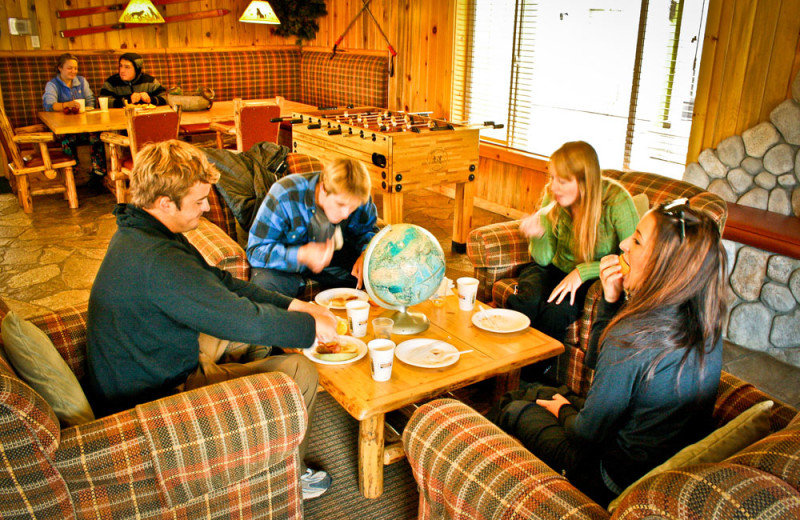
{"x":82,"y":103}
{"x":103,"y":103}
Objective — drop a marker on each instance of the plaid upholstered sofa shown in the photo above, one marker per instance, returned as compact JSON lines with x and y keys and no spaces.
{"x":226,"y":450}
{"x":467,"y":468}
{"x":498,"y":253}
{"x":305,"y":75}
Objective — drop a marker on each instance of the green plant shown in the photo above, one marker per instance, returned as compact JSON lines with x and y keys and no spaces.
{"x":298,"y":17}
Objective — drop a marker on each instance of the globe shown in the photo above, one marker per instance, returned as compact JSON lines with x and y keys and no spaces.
{"x":403,"y":266}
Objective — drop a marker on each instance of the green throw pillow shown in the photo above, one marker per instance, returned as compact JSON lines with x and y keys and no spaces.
{"x":641,"y":203}
{"x":39,"y":364}
{"x":740,"y":432}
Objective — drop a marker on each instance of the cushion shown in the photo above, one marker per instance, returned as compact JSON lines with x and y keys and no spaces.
{"x":641,"y":203}
{"x":39,"y":364}
{"x":742,"y":431}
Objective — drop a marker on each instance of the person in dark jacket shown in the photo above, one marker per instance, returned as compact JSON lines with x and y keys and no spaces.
{"x":132,"y":85}
{"x":659,"y":361}
{"x":155,"y":295}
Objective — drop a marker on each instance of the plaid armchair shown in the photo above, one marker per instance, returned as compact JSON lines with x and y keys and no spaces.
{"x":229,"y":449}
{"x":467,"y":468}
{"x":498,"y":253}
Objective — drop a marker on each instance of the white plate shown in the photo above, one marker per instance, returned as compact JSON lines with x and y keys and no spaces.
{"x":362,"y":351}
{"x":427,"y":353}
{"x":500,"y":320}
{"x":327,"y":298}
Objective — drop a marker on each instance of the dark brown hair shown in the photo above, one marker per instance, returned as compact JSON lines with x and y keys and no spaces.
{"x":680,"y":301}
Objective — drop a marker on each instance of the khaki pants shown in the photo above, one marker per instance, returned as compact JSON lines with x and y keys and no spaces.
{"x":296,"y":366}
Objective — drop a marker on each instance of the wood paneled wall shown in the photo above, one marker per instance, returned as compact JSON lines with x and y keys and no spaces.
{"x":751,"y":54}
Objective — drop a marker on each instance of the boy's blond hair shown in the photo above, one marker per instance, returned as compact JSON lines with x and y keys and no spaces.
{"x":347,"y":176}
{"x":168,"y":169}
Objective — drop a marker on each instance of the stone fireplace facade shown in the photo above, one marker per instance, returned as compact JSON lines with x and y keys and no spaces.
{"x":760,"y":169}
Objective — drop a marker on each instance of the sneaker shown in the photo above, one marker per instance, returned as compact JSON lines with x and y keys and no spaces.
{"x":314,"y":483}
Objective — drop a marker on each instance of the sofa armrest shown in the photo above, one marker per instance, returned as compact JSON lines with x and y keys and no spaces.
{"x":190,"y":444}
{"x":734,"y":396}
{"x":496,"y":251}
{"x":720,"y":490}
{"x":219,"y":249}
{"x":466,"y":467}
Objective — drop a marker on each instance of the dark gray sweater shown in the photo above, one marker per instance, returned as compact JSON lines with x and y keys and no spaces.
{"x":153,"y":294}
{"x":638,"y":424}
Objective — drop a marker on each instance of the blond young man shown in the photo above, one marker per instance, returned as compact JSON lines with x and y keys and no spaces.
{"x":316,"y":226}
{"x":154,"y":295}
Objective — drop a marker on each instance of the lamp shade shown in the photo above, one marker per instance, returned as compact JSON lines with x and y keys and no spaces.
{"x":259,"y":12}
{"x":141,"y":11}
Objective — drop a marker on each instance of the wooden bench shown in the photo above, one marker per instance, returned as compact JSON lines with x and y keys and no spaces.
{"x":763,"y":229}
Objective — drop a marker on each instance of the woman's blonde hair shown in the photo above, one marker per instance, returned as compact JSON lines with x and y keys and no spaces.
{"x":578,"y":160}
{"x":347,"y":176}
{"x":168,"y":169}
{"x":680,"y":302}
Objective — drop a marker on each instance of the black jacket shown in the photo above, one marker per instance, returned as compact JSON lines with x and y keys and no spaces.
{"x":120,"y":89}
{"x":153,"y":294}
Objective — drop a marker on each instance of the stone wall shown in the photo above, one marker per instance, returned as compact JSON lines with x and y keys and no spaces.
{"x":760,"y":169}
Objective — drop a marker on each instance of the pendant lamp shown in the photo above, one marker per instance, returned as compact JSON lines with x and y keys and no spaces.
{"x":259,"y":12}
{"x":141,"y":11}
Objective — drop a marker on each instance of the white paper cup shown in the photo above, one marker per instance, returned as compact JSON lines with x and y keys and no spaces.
{"x":82,"y":103}
{"x":279,"y":101}
{"x":357,"y":315}
{"x":381,"y":357}
{"x":103,"y":103}
{"x":467,"y":291}
{"x":382,"y":328}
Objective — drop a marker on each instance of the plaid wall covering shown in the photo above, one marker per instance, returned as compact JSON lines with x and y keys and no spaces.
{"x":227,"y":450}
{"x":498,"y":253}
{"x":305,"y":76}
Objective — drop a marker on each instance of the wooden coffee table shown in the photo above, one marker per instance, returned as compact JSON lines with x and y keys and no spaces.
{"x":368,"y":401}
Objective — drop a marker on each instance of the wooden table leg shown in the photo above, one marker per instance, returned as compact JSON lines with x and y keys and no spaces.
{"x":370,"y":456}
{"x":393,"y":207}
{"x":505,"y":383}
{"x":462,"y":215}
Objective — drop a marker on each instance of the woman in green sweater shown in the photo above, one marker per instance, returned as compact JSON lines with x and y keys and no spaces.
{"x":583,"y":217}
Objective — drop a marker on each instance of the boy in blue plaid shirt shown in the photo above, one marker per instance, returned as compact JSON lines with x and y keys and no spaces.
{"x":316,"y":226}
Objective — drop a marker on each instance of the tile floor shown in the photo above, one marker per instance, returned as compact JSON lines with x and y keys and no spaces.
{"x":49,"y":259}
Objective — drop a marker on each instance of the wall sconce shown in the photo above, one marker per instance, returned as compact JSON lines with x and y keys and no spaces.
{"x":259,"y":12}
{"x":141,"y":11}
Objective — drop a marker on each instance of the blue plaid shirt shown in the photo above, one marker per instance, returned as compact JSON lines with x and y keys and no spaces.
{"x":282,"y":223}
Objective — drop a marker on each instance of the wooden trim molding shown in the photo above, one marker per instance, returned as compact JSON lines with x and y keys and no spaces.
{"x":515,"y":157}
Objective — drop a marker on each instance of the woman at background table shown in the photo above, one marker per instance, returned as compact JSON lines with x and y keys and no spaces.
{"x":60,"y":94}
{"x":659,"y":362}
{"x":132,"y":85}
{"x":583,"y":217}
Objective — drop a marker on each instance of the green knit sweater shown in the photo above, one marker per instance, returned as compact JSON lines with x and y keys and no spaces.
{"x":557,"y":246}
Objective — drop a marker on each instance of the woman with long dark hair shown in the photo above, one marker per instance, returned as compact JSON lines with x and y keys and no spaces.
{"x":658,"y":346}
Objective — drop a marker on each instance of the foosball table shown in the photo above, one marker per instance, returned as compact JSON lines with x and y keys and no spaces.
{"x":402,"y":151}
